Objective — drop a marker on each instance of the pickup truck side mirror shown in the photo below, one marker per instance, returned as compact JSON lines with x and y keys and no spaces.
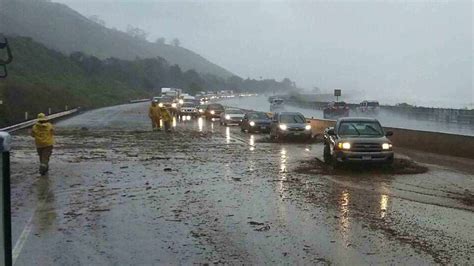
{"x":331,"y":132}
{"x":388,"y":133}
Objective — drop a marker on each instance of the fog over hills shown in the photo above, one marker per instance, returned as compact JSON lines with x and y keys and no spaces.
{"x":62,"y":28}
{"x":412,"y":51}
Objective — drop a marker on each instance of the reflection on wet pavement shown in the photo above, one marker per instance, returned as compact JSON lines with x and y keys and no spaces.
{"x":118,"y":196}
{"x":383,"y":205}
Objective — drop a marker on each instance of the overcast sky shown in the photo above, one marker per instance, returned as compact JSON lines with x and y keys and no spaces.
{"x":415,"y":51}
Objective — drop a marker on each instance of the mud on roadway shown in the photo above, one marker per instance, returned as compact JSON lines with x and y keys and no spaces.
{"x":119,"y":194}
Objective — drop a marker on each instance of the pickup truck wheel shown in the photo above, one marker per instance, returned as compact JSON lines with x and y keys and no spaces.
{"x":327,"y":154}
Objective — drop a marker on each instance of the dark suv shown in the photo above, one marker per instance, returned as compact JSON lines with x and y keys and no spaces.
{"x":286,"y":125}
{"x":355,"y":139}
{"x":214,"y":110}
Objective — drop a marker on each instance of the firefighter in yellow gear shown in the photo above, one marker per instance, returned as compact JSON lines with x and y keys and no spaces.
{"x":155,"y":115}
{"x":166,"y":118}
{"x":43,"y":132}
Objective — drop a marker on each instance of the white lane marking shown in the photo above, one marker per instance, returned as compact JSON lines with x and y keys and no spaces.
{"x":22,"y":239}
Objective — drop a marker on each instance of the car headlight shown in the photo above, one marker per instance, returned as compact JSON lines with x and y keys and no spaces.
{"x":227,"y":117}
{"x":307,"y":127}
{"x":174,"y":105}
{"x":213,"y":112}
{"x":252,"y":123}
{"x":201,"y":110}
{"x":283,"y":127}
{"x":181,"y":101}
{"x":160,"y":105}
{"x":386,"y":146}
{"x":344,"y":145}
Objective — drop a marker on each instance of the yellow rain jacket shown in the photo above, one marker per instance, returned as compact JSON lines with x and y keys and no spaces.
{"x":165,"y":115}
{"x":154,"y":111}
{"x":43,"y":132}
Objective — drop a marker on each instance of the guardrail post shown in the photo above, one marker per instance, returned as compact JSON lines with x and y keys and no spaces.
{"x":26,"y":115}
{"x":66,"y":108}
{"x":5,"y":221}
{"x":49,"y":111}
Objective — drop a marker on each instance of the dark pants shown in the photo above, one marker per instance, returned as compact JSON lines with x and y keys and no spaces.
{"x":44,"y":155}
{"x":167,"y":125}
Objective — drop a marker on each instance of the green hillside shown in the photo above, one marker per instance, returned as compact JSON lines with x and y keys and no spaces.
{"x":63,"y":29}
{"x":41,"y":78}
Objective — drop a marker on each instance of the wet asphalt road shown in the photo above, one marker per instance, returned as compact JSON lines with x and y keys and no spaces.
{"x":119,"y":194}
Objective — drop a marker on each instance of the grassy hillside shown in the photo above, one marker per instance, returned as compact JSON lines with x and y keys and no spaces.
{"x":41,"y":78}
{"x":63,"y":29}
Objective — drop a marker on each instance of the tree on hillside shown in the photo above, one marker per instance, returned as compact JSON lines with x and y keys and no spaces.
{"x":176,"y":42}
{"x":160,"y":40}
{"x":136,"y":32}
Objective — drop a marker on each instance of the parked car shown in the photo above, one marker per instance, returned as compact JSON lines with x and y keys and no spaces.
{"x":355,"y":139}
{"x":213,"y":110}
{"x":188,"y":109}
{"x":290,"y":125}
{"x":336,"y":110}
{"x":369,"y":108}
{"x":231,"y":116}
{"x":256,"y":122}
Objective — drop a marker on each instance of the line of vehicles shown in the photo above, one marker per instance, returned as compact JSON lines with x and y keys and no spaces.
{"x":341,"y":109}
{"x":352,"y":139}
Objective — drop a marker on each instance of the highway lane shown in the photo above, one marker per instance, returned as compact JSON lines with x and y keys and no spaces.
{"x":388,"y":119}
{"x":121,"y":194}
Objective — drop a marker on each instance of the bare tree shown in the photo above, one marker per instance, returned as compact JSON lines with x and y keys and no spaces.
{"x":160,"y":40}
{"x":175,"y":42}
{"x":136,"y":32}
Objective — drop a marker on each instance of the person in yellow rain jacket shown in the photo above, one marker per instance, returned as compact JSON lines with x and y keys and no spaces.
{"x":154,"y":114}
{"x":166,"y":117}
{"x":43,"y":132}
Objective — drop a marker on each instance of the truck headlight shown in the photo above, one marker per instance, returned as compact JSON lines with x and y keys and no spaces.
{"x":174,"y":105}
{"x":252,"y":123}
{"x":283,"y":127}
{"x":386,"y":146}
{"x":227,"y":117}
{"x":307,"y":127}
{"x":213,"y":112}
{"x":344,"y":145}
{"x":160,"y":105}
{"x":201,"y":110}
{"x":181,"y":101}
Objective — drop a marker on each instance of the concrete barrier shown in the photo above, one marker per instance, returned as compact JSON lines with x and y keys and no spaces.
{"x":434,"y":142}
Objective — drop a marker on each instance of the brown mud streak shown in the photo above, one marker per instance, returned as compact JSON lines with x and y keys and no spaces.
{"x":400,"y":166}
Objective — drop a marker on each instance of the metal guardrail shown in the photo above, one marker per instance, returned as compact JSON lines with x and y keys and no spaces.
{"x":30,"y":123}
{"x":139,"y":100}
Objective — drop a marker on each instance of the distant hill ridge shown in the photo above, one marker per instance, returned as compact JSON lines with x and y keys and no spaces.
{"x":59,"y":27}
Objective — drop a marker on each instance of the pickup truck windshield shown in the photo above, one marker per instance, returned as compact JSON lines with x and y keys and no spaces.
{"x":360,"y":128}
{"x":292,"y":119}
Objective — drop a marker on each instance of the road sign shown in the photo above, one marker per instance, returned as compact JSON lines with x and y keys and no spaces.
{"x":337,"y":93}
{"x":5,"y":220}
